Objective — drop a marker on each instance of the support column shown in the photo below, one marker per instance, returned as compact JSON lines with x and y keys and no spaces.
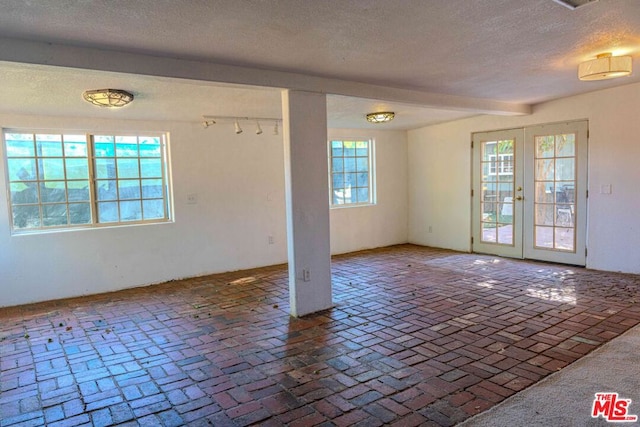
{"x":304,"y":128}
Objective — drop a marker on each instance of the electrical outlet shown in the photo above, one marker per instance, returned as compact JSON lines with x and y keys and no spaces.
{"x":430,"y":229}
{"x":306,"y":275}
{"x":192,"y":199}
{"x":270,"y":240}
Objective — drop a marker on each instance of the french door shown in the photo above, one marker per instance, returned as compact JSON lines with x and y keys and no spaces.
{"x":529,"y":192}
{"x":497,"y":192}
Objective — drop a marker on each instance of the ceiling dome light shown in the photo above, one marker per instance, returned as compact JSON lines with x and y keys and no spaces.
{"x":382,"y":117}
{"x":111,"y":98}
{"x":605,"y":66}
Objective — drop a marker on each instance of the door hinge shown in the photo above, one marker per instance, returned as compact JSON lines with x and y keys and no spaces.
{"x":472,"y":240}
{"x":472,"y":143}
{"x":587,"y":194}
{"x":472,"y":192}
{"x":585,"y":251}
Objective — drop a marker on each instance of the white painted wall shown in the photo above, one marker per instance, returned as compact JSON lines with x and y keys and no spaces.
{"x":239,"y":181}
{"x":384,"y":223}
{"x":440,"y":175}
{"x":439,"y":186}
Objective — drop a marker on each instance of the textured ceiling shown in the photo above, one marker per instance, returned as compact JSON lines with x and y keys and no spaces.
{"x":160,"y":98}
{"x":520,"y":51}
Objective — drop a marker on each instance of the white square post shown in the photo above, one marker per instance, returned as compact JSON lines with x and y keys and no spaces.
{"x":307,"y":201}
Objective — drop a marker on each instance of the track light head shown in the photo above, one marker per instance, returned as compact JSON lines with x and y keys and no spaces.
{"x":208,"y":121}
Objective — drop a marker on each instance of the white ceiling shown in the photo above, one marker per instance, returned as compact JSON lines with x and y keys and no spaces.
{"x":514,"y":51}
{"x":161,"y":98}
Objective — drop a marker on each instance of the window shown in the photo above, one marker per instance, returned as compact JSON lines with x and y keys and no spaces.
{"x":351,"y":172}
{"x":503,"y":164}
{"x":63,"y":180}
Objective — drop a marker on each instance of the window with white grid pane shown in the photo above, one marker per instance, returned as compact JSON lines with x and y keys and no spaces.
{"x":351,"y":172}
{"x":68,"y":180}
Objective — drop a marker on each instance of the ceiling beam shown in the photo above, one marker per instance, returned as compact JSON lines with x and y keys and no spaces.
{"x":52,"y":54}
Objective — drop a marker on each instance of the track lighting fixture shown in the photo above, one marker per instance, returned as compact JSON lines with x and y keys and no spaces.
{"x":212,"y":120}
{"x":238,"y":128}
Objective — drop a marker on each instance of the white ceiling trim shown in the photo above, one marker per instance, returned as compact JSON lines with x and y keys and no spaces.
{"x":22,"y":51}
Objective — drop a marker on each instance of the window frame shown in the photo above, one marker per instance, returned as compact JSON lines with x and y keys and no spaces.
{"x":92,"y":179}
{"x":502,"y":163}
{"x":371,"y":184}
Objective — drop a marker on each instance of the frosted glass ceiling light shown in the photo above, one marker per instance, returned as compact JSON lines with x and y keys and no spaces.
{"x":258,"y":128}
{"x":238,"y":128}
{"x":111,"y":98}
{"x":382,"y":117}
{"x":275,"y":128}
{"x":208,"y":123}
{"x":605,"y":66}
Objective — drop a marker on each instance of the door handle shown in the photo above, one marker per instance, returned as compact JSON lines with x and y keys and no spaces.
{"x":519,"y":197}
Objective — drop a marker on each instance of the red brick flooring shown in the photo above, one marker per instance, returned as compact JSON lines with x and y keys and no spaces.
{"x":418,"y":336}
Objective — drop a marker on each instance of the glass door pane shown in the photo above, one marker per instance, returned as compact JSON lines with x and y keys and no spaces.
{"x":497,"y":187}
{"x":497,"y":191}
{"x":554,"y":192}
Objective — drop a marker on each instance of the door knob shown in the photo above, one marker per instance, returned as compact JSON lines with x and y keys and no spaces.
{"x":519,"y":197}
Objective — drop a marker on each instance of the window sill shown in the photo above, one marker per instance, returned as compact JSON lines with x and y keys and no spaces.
{"x":38,"y":232}
{"x":352,"y":205}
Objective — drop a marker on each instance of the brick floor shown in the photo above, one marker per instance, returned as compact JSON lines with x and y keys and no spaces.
{"x":418,"y":336}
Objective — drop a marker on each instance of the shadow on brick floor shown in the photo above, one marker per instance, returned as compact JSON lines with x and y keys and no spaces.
{"x":418,"y":336}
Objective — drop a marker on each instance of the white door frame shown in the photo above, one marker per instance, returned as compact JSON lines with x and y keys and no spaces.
{"x":523,"y":245}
